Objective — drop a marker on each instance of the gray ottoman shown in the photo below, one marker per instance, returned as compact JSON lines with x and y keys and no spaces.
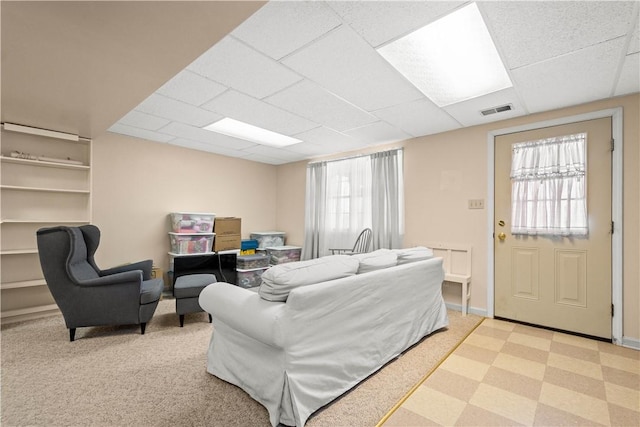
{"x":187,"y":289}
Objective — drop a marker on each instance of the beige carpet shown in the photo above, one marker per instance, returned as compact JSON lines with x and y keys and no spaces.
{"x":113,"y":376}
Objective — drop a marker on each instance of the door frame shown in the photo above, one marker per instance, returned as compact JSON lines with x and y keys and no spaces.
{"x":616,"y":115}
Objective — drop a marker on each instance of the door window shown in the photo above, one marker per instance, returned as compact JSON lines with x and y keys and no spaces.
{"x":548,"y":186}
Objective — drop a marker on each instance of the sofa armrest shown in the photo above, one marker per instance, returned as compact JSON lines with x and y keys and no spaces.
{"x":244,"y":311}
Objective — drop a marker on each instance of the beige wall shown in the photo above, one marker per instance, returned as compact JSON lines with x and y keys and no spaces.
{"x":136,"y":183}
{"x":443,"y":171}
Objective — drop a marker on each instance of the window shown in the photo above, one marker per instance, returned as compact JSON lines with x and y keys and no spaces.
{"x":548,"y":187}
{"x":349,"y":195}
{"x":345,"y":196}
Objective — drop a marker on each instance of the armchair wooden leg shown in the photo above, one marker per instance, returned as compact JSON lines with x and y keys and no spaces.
{"x":210,"y":319}
{"x":181,"y":320}
{"x":72,"y":334}
{"x":142,"y":328}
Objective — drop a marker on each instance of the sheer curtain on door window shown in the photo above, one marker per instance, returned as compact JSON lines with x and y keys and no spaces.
{"x":548,"y":187}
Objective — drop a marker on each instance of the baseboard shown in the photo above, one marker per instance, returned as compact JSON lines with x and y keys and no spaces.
{"x":633,"y":343}
{"x":471,"y":310}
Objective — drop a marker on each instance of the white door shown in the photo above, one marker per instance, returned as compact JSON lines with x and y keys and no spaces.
{"x":558,"y":282}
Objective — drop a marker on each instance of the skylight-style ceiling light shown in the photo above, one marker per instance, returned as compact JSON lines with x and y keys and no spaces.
{"x":251,"y":133}
{"x":450,"y":60}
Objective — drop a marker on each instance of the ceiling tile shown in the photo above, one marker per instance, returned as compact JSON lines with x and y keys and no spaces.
{"x":312,"y":102}
{"x":378,"y":133}
{"x":343,"y":63}
{"x":629,"y":80}
{"x":270,"y":29}
{"x":258,"y":113}
{"x":191,"y":88}
{"x":560,"y":53}
{"x":276,"y":153}
{"x":468,"y":112}
{"x":140,"y":133}
{"x":634,"y":44}
{"x":575,"y":78}
{"x":329,"y":139}
{"x":265,"y":159}
{"x":205,"y":136}
{"x":381,"y":21}
{"x":308,"y":149}
{"x":236,"y":65}
{"x":530,"y":32}
{"x":210,"y":148}
{"x":418,"y":118}
{"x":161,"y":106}
{"x":143,"y":121}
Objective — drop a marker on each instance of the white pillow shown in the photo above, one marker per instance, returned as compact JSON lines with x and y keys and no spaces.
{"x":417,"y":253}
{"x":280,"y":279}
{"x":376,"y":260}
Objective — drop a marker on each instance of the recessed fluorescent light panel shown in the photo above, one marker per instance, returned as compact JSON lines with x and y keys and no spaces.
{"x":251,"y":133}
{"x":450,"y":60}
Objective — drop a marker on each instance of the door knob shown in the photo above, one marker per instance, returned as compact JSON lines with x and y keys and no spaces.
{"x":502,"y":236}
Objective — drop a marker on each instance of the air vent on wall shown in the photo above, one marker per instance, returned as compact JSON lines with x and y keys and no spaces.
{"x":495,"y":110}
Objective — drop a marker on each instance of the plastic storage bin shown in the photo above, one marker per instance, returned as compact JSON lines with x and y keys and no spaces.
{"x":192,"y":222}
{"x":283,"y":254}
{"x":252,"y":261}
{"x":194,"y":243}
{"x":249,"y":278}
{"x":268,"y":238}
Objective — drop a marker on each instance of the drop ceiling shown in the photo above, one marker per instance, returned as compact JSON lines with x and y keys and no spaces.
{"x":310,"y":70}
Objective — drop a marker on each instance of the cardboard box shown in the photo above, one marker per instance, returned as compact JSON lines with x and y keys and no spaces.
{"x":226,"y":243}
{"x":227,"y":225}
{"x":156,"y":272}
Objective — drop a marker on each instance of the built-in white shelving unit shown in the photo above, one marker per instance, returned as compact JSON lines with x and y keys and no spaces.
{"x":45,"y":181}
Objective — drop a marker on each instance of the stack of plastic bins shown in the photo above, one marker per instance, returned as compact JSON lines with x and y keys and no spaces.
{"x":250,"y":269}
{"x":191,"y":234}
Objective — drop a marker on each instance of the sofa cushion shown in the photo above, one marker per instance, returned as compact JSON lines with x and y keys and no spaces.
{"x":280,"y":279}
{"x":376,"y":260}
{"x":417,"y":253}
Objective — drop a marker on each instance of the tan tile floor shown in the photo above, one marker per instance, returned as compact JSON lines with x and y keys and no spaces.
{"x":507,"y":374}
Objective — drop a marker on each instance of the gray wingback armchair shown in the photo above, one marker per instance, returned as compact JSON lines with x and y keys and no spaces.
{"x":87,"y":295}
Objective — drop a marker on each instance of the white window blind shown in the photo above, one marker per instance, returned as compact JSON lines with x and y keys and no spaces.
{"x":548,"y":187}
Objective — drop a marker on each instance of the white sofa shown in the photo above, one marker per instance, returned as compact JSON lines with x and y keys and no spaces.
{"x":300,"y":353}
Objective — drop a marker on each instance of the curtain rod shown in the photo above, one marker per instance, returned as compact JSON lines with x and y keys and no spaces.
{"x":357,"y":156}
{"x":42,"y":132}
